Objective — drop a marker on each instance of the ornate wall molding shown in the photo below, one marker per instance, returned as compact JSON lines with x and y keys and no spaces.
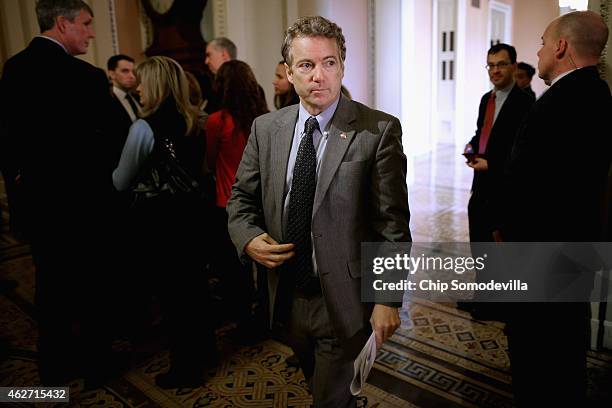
{"x":219,"y":18}
{"x":605,"y":9}
{"x":29,"y":27}
{"x":113,"y":27}
{"x":3,"y":39}
{"x":372,"y":51}
{"x":146,"y":28}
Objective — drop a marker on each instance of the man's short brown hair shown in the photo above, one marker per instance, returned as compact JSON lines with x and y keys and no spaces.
{"x":315,"y":26}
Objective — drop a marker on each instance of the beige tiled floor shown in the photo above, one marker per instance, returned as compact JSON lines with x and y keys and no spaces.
{"x":439,"y":196}
{"x":440,"y":354}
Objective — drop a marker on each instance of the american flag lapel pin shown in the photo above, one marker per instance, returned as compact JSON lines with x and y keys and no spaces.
{"x":343,"y":135}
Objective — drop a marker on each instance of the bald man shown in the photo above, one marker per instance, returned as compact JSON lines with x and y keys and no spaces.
{"x":557,"y":175}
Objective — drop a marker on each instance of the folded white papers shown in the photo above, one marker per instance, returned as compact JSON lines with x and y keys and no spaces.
{"x":363,"y":364}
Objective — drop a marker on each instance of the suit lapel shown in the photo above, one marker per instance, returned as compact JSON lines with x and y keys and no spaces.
{"x":280,"y":144}
{"x":340,"y":135}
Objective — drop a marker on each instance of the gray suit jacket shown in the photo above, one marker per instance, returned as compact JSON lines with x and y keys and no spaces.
{"x":361,"y":196}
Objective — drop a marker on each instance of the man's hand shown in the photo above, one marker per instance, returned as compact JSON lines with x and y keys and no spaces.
{"x":264,"y":250}
{"x":385,"y":320}
{"x":479,"y":164}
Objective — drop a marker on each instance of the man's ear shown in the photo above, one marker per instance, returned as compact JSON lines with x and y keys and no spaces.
{"x":562,"y":47}
{"x":60,"y":23}
{"x":289,"y":73}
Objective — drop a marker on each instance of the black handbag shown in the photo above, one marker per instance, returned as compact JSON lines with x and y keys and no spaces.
{"x":164,"y":178}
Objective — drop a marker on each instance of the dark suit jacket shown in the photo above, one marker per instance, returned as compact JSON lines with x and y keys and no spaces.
{"x":54,"y":111}
{"x":501,"y":139}
{"x":556,"y":179}
{"x":361,"y":196}
{"x":529,"y":91}
{"x":559,"y":164}
{"x":483,"y":208}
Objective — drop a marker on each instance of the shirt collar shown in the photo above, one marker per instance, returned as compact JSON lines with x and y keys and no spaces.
{"x":554,"y":81}
{"x":505,"y":90}
{"x":119,"y":92}
{"x":55,"y":41}
{"x":323,"y":118}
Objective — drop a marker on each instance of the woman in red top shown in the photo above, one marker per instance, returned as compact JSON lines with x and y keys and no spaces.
{"x":227,"y":131}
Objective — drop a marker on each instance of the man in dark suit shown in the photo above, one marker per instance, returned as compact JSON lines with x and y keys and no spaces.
{"x":120,"y":69}
{"x":219,"y":51}
{"x":524,"y":74}
{"x":317,"y":179}
{"x":65,"y":182}
{"x":499,"y":116}
{"x":554,"y":193}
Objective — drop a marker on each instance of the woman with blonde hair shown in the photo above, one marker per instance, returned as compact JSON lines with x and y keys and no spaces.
{"x":167,"y":255}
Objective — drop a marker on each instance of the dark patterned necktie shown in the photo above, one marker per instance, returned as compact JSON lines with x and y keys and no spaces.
{"x":132,"y":104}
{"x":301,"y":198}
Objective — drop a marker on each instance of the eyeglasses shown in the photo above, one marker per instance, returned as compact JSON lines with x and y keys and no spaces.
{"x":500,"y":65}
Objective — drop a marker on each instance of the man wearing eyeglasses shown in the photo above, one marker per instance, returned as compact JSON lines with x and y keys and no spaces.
{"x":499,"y":115}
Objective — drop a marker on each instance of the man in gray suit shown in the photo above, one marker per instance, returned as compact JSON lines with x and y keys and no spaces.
{"x":316,"y":180}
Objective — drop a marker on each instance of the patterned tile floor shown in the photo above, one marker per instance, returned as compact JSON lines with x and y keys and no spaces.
{"x":440,"y":357}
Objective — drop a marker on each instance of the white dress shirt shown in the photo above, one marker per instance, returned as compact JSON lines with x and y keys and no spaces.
{"x":121,"y":95}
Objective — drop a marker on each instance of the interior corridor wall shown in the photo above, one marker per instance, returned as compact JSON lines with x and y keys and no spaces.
{"x":402,"y":67}
{"x":17,"y":26}
{"x":256,"y":27}
{"x":128,"y":32}
{"x":387,"y":56}
{"x":417,"y":76}
{"x":472,"y":78}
